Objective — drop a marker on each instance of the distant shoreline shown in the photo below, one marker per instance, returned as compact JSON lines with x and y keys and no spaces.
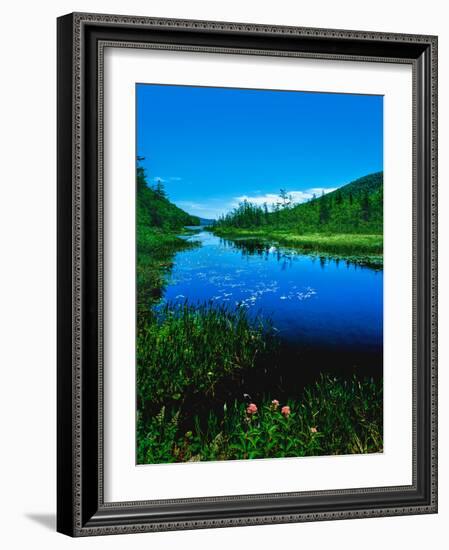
{"x":363,"y":249}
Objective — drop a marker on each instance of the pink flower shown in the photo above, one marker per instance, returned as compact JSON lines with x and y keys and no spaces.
{"x":275,"y":404}
{"x":314,"y":429}
{"x":251,"y":408}
{"x":285,"y":411}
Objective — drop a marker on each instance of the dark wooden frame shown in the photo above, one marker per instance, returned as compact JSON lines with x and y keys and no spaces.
{"x":81,"y":508}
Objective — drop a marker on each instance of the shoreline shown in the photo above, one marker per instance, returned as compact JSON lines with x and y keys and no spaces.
{"x":362,"y":249}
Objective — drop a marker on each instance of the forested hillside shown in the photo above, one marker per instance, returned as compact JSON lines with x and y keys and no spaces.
{"x":354,"y":208}
{"x":155,"y":210}
{"x":159,"y":223}
{"x":157,"y":219}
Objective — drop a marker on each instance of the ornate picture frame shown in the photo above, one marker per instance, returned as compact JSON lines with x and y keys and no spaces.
{"x":81,"y":508}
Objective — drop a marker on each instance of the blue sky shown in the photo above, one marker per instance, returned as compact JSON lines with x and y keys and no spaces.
{"x":213,"y":147}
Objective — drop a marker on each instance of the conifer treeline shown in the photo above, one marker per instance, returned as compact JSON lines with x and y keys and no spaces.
{"x":354,"y":208}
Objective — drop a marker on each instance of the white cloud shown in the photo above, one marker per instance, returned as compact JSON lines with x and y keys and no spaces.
{"x":272,"y":198}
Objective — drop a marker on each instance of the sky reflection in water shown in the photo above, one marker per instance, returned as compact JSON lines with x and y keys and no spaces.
{"x":309,"y":300}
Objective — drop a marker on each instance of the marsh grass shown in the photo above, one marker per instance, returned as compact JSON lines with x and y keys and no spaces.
{"x":184,"y":352}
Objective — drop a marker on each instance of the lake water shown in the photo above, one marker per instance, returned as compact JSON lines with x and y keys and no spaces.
{"x":313,"y":302}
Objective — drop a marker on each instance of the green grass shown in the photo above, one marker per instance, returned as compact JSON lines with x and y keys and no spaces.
{"x":345,"y":243}
{"x":331,"y":417}
{"x":359,"y":248}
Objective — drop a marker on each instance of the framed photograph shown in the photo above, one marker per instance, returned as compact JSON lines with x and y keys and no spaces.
{"x":247,"y":284}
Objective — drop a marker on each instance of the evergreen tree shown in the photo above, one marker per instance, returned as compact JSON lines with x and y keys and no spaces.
{"x":365,"y":206}
{"x":324,"y":209}
{"x":159,"y":188}
{"x":265,"y":213}
{"x":338,"y":197}
{"x":140,"y":174}
{"x":284,"y":197}
{"x":276,"y":208}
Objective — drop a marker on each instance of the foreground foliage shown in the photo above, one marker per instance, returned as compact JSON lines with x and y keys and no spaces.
{"x":332,"y":417}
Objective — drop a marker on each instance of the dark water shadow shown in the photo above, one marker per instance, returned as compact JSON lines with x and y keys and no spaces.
{"x":284,"y":376}
{"x":46,"y":520}
{"x":296,"y":367}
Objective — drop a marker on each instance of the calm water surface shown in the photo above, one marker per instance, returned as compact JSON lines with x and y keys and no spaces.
{"x":311,"y":301}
